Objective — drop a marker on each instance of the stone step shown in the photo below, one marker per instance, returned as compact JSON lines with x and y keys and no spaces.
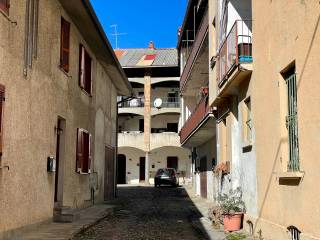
{"x":65,"y":214}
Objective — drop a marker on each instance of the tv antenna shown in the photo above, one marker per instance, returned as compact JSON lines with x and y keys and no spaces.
{"x":116,"y":33}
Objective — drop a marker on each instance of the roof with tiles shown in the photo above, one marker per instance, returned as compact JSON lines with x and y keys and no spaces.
{"x":147,"y":57}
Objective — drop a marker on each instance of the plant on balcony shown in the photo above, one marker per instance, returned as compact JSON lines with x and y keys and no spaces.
{"x":205,"y":91}
{"x":233,"y":208}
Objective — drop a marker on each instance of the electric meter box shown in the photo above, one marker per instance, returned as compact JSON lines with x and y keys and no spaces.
{"x":51,"y":164}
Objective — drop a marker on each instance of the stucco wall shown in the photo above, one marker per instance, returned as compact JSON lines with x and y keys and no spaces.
{"x":296,"y":25}
{"x":32,"y":107}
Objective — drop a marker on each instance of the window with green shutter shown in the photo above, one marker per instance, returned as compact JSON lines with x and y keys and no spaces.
{"x":292,"y":119}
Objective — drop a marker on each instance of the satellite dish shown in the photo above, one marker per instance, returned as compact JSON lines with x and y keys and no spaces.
{"x":157,"y":103}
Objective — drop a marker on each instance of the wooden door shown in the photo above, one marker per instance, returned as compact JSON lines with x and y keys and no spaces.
{"x":109,"y":178}
{"x":121,"y":169}
{"x":203,"y":177}
{"x":56,"y":182}
{"x":141,"y":125}
{"x":142,"y":166}
{"x":172,"y":162}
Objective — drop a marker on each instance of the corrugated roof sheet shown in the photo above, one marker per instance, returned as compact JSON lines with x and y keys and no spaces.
{"x":135,"y":57}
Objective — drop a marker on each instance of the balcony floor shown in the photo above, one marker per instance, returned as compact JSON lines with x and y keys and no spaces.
{"x":240,"y":74}
{"x":204,"y":131}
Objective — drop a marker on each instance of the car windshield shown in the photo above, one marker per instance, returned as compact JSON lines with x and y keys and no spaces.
{"x":167,"y":172}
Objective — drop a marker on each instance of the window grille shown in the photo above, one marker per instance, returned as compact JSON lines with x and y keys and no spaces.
{"x":294,"y":233}
{"x":292,"y":123}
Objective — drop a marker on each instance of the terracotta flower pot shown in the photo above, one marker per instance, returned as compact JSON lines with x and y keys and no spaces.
{"x":232,"y":222}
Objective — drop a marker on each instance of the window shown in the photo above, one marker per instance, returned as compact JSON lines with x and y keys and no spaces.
{"x":65,"y":45}
{"x":4,"y":6}
{"x":31,"y":34}
{"x":247,"y":121}
{"x":291,"y":118}
{"x":172,"y":162}
{"x":83,"y":161}
{"x":2,"y":98}
{"x":172,"y":127}
{"x":85,"y":74}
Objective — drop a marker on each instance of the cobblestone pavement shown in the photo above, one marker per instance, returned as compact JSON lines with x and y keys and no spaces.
{"x":148,"y":213}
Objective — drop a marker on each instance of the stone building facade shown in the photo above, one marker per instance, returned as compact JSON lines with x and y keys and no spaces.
{"x":59,"y":84}
{"x":148,"y":125}
{"x":262,"y":61}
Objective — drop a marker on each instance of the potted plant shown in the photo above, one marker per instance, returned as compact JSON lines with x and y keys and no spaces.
{"x":233,"y":208}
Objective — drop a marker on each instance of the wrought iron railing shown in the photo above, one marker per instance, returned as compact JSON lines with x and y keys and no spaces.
{"x":169,"y":102}
{"x":292,"y":124}
{"x":195,"y":118}
{"x":194,"y":49}
{"x":235,"y":49}
{"x":136,"y":102}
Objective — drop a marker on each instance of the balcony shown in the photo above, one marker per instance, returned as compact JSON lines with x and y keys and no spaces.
{"x":134,"y":103}
{"x":235,"y":51}
{"x":134,"y":106}
{"x":169,"y":102}
{"x":164,"y":139}
{"x":165,"y":105}
{"x":133,"y":139}
{"x":197,"y":59}
{"x":198,"y":129}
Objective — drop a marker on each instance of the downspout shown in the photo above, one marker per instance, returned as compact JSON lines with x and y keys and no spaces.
{"x":116,"y":155}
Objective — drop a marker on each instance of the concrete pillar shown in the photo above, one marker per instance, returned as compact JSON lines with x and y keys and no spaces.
{"x":147,"y":121}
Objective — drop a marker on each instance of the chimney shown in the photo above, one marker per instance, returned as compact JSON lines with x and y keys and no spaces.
{"x":151,"y":45}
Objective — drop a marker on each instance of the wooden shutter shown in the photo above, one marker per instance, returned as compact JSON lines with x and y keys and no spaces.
{"x":90,"y":156}
{"x":5,"y":5}
{"x":2,"y":98}
{"x":81,"y":66}
{"x":88,"y":72}
{"x":79,"y":160}
{"x":65,"y":45}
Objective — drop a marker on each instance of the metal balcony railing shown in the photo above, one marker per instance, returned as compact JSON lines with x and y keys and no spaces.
{"x":169,"y":102}
{"x":194,"y":49}
{"x":235,"y":49}
{"x":136,"y":102}
{"x":195,"y":118}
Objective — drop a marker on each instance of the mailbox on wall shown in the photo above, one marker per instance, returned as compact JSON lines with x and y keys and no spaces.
{"x":51,"y":164}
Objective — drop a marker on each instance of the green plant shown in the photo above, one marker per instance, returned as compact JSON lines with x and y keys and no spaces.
{"x":232,"y":202}
{"x":236,"y":236}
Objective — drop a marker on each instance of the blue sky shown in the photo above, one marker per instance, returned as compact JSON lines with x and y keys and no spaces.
{"x":142,"y":21}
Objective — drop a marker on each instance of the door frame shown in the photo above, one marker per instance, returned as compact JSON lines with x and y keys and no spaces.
{"x":60,"y":158}
{"x":142,"y":174}
{"x":124,"y":158}
{"x":109,"y":176}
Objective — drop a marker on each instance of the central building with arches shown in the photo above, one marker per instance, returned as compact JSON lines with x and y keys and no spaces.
{"x":148,"y":123}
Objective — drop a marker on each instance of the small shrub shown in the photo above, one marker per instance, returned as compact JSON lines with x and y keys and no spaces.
{"x":232,"y":202}
{"x":236,"y":236}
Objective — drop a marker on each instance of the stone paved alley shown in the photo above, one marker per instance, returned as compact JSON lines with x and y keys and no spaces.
{"x":150,"y":213}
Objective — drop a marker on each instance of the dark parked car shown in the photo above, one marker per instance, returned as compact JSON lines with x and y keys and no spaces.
{"x":166,"y":176}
